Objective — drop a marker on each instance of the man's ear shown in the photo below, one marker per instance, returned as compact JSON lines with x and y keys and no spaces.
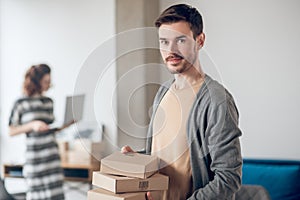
{"x":200,"y":39}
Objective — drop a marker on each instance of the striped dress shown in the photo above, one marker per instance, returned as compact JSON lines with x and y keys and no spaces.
{"x":42,"y":169}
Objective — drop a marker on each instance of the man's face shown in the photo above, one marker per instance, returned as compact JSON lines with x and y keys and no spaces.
{"x":178,"y":48}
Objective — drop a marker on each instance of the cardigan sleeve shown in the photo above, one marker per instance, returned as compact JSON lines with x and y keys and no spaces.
{"x":222,"y":142}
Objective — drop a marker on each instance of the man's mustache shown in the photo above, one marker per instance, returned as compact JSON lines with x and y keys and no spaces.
{"x":174,"y":55}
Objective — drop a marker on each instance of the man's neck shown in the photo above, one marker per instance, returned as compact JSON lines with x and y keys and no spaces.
{"x":190,"y":77}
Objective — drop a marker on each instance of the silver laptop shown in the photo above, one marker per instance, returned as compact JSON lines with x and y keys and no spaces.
{"x":73,"y":111}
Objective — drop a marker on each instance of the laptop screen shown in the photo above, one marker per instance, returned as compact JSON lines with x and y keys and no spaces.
{"x":74,"y":108}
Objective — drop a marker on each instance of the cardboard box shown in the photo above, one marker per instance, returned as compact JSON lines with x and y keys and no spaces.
{"x":97,"y":151}
{"x":129,"y":164}
{"x":83,"y":145}
{"x":75,"y":157}
{"x":119,"y":184}
{"x":63,"y":147}
{"x":84,"y":151}
{"x":101,"y":194}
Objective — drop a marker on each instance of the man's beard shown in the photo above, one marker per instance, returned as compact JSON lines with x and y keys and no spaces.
{"x":185,"y":64}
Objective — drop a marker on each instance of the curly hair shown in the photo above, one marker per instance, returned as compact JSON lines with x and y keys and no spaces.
{"x":33,"y":77}
{"x":182,"y":12}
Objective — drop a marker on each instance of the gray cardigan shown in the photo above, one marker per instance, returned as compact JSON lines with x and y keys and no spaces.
{"x":213,"y":136}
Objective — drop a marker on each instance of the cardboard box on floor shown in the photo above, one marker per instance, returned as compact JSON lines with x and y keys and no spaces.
{"x":130,"y":164}
{"x":119,"y":184}
{"x":99,"y":193}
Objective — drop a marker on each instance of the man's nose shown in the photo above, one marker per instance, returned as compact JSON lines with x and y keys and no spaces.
{"x":173,"y":48}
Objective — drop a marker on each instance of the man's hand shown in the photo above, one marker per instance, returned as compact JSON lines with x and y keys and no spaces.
{"x":149,"y":196}
{"x":126,"y":149}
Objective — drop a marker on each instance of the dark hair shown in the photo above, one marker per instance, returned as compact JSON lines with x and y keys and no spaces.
{"x":33,"y":78}
{"x":182,"y":12}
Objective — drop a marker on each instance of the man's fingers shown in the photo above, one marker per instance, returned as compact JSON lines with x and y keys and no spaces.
{"x":149,"y":197}
{"x":126,"y":149}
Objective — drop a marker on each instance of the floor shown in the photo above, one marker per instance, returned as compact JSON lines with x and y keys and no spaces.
{"x":72,"y":190}
{"x":76,"y":190}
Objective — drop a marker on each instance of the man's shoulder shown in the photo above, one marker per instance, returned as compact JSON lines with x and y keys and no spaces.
{"x":214,"y":91}
{"x":164,"y":87}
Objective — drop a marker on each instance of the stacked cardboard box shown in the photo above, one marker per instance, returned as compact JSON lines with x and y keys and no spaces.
{"x":127,"y":177}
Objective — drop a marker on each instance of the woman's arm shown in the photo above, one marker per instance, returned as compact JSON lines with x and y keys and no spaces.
{"x":37,"y":126}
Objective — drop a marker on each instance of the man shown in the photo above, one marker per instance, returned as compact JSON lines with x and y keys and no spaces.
{"x":194,"y":126}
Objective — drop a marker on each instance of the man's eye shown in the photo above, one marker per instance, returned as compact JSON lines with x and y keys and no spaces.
{"x":164,"y":42}
{"x":181,"y":41}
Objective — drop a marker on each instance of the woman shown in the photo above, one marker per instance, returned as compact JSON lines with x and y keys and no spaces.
{"x":31,"y":115}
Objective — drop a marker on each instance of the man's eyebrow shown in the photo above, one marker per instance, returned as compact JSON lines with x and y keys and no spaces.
{"x":162,"y":38}
{"x":179,"y":37}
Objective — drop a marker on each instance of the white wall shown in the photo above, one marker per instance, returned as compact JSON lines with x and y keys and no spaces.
{"x":60,"y":33}
{"x":255,"y":46}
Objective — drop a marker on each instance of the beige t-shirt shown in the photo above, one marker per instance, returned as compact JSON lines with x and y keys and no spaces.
{"x":170,"y":143}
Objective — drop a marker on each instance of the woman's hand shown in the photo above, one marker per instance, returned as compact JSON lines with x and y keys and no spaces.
{"x":36,"y":126}
{"x":39,"y":126}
